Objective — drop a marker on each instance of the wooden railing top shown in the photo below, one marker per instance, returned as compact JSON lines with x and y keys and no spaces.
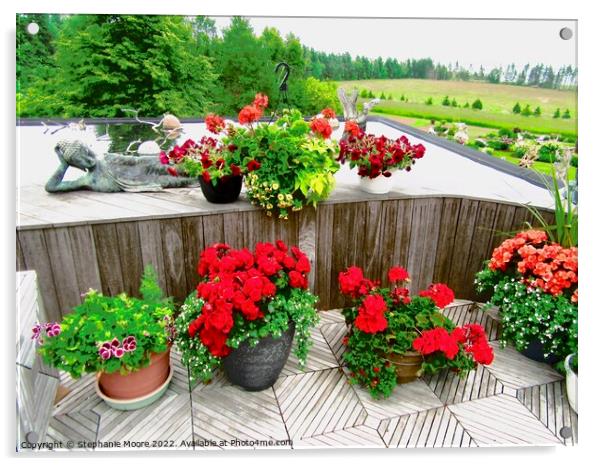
{"x":445,"y":171}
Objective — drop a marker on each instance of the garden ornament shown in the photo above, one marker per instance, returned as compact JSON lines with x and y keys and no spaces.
{"x":350,"y":110}
{"x":111,"y":173}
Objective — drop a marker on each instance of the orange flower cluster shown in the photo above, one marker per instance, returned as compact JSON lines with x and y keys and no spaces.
{"x":547,"y":266}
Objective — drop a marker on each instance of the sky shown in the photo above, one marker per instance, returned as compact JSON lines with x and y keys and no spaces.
{"x":489,"y":43}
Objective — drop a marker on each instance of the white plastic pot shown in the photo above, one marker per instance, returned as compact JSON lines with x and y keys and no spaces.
{"x":571,"y":383}
{"x":379,"y":185}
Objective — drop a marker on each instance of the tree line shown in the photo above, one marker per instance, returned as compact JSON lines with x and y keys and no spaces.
{"x":342,"y":67}
{"x":101,"y":65}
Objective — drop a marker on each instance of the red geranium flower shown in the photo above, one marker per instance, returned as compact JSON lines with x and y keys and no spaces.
{"x":321,"y":126}
{"x":214,"y":123}
{"x":249,"y":114}
{"x":352,"y":128}
{"x":371,"y":317}
{"x":328,"y":113}
{"x":440,"y":293}
{"x":398,"y":274}
{"x":261,"y":101}
{"x":297,"y":280}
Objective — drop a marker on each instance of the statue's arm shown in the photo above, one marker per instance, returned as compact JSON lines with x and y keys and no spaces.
{"x":56,"y":184}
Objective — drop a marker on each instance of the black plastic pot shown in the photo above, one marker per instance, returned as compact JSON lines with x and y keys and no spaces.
{"x":227,"y":190}
{"x":257,"y":368}
{"x":534,"y":351}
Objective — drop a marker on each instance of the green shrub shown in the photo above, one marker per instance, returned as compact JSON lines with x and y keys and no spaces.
{"x":557,"y":113}
{"x":445,"y":101}
{"x":516,"y":108}
{"x":480,"y":143}
{"x":520,"y":150}
{"x":499,"y":144}
{"x":505,"y":132}
{"x":454,"y":103}
{"x":383,"y":96}
{"x":364,"y":94}
{"x":537,"y":111}
{"x":547,"y":152}
{"x":566,"y":114}
{"x":466,"y":105}
{"x":574,"y":161}
{"x":477,"y":104}
{"x":429,"y":101}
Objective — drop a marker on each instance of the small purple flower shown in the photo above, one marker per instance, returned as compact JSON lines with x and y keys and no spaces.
{"x":105,"y":351}
{"x":163,"y":158}
{"x":36,"y":330}
{"x":53,"y":329}
{"x":114,"y":343}
{"x":118,"y":352}
{"x":129,"y":344}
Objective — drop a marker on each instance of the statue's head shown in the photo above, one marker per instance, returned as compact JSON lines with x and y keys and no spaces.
{"x":76,"y":154}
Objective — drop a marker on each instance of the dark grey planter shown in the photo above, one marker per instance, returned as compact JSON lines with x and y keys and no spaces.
{"x":257,"y":368}
{"x":534,"y":351}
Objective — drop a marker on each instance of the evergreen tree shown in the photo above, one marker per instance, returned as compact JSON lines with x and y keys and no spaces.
{"x":466,"y":105}
{"x":244,"y":67}
{"x":429,"y":101}
{"x":383,"y":96}
{"x":105,"y":63}
{"x":557,"y":113}
{"x":477,"y":104}
{"x":35,"y":51}
{"x":566,"y":114}
{"x":537,"y":111}
{"x":445,"y":101}
{"x":526,"y":111}
{"x":516,"y":109}
{"x":454,"y":103}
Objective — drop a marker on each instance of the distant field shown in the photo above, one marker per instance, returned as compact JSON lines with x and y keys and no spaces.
{"x":498,"y":100}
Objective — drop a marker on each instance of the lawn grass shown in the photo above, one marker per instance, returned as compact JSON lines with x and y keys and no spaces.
{"x":478,"y":132}
{"x":498,"y":100}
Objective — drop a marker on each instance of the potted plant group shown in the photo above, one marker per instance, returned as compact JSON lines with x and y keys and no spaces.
{"x":377,"y":158}
{"x":534,"y":284}
{"x":124,"y":340}
{"x":245,"y":313}
{"x":394,"y":337}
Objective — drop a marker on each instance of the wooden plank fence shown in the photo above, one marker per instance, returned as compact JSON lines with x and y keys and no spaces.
{"x":438,"y":239}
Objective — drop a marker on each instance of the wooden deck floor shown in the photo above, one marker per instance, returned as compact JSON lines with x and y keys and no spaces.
{"x":515,"y":401}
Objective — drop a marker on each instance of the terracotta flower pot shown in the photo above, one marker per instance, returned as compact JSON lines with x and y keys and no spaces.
{"x":136,"y":384}
{"x":408,"y":366}
{"x":226,"y":190}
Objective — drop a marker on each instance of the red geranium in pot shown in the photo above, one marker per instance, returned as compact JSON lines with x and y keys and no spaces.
{"x":245,"y":312}
{"x":394,"y":337}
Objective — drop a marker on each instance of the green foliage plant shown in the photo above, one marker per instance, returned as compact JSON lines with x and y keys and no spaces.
{"x":75,"y":345}
{"x":293,"y":162}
